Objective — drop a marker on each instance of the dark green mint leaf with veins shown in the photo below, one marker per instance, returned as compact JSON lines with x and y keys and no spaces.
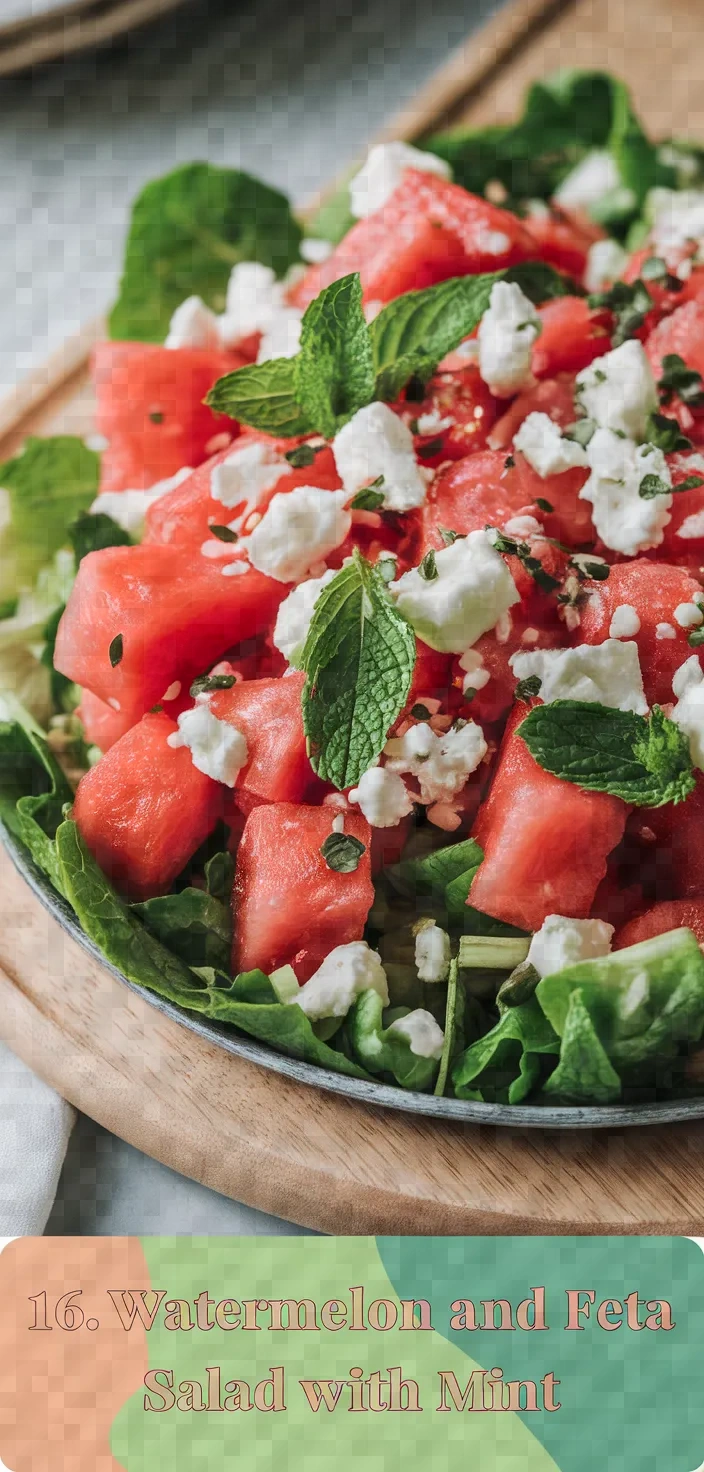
{"x":92,"y":533}
{"x":262,"y":395}
{"x":652,"y":486}
{"x":527,"y":689}
{"x":342,"y":852}
{"x":428,"y":567}
{"x":644,"y":762}
{"x":665,"y":434}
{"x":358,"y":658}
{"x":334,"y":371}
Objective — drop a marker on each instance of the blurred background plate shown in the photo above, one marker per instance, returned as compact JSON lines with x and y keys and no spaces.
{"x":35,"y":31}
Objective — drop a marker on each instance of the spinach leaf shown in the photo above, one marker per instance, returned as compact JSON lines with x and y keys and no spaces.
{"x":194,"y":925}
{"x":48,"y":484}
{"x":219,"y":876}
{"x":431,"y":874}
{"x":188,"y":229}
{"x":334,"y":372}
{"x":504,"y":1065}
{"x":644,"y":762}
{"x":33,"y":788}
{"x":381,"y":1050}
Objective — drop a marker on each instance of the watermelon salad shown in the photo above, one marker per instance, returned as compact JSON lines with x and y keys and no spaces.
{"x":353,"y":693}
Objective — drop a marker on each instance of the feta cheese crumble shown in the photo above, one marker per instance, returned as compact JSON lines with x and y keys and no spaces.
{"x":129,"y":508}
{"x":298,"y":529}
{"x":441,"y":763}
{"x":688,"y":615}
{"x":506,"y":336}
{"x":472,"y":591}
{"x":373,"y":443}
{"x":282,"y":338}
{"x":294,"y":617}
{"x":382,"y":797}
{"x":541,"y":441}
{"x":626,"y":521}
{"x":665,"y":631}
{"x":425,"y":1037}
{"x":433,"y":423}
{"x":692,"y":528}
{"x":606,"y":262}
{"x":383,"y":171}
{"x":254,"y":298}
{"x":625,"y":623}
{"x":677,"y":218}
{"x":608,"y":673}
{"x":562,"y":942}
{"x":315,"y":251}
{"x":217,"y":749}
{"x":587,"y":183}
{"x":246,"y":475}
{"x":433,"y":953}
{"x":688,"y":686}
{"x":524,"y":528}
{"x":193,"y":325}
{"x":346,"y":972}
{"x":476,"y":676}
{"x":618,"y":390}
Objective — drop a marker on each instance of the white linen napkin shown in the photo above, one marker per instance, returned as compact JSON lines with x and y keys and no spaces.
{"x":35,"y":1125}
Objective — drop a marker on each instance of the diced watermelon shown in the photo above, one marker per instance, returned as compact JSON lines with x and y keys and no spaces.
{"x":546,"y":842}
{"x":572,"y":335}
{"x":563,"y":238}
{"x":473,"y":493}
{"x":102,"y":725}
{"x":654,"y":590}
{"x":554,"y":397}
{"x":494,"y":700}
{"x":176,"y":614}
{"x":426,"y":232}
{"x":145,"y":809}
{"x":669,"y":915}
{"x":150,"y":409}
{"x":462,"y":397}
{"x":570,"y":520}
{"x":682,"y":333}
{"x":673,"y":838}
{"x":268,"y":713}
{"x":289,"y":907}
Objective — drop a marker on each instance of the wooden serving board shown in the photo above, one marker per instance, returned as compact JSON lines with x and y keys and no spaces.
{"x":60,"y":30}
{"x":317,"y":1158}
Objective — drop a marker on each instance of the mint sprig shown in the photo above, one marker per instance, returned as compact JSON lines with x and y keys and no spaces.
{"x":262,"y":395}
{"x":358,"y":657}
{"x":334,"y":370}
{"x":644,"y":762}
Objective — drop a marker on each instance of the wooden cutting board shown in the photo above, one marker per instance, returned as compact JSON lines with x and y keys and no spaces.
{"x":35,"y":35}
{"x":316,"y":1158}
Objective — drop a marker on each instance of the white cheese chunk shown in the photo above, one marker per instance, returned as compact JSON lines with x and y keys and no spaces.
{"x":346,"y":972}
{"x":282,"y":338}
{"x":692,"y":528}
{"x":472,"y":591}
{"x":626,"y":521}
{"x":433,"y":953}
{"x":254,"y":298}
{"x":688,"y":615}
{"x":382,"y":797}
{"x":541,"y":441}
{"x":506,"y":336}
{"x":295,"y":614}
{"x":193,"y":325}
{"x":676,"y":218}
{"x":665,"y":631}
{"x":625,"y":623}
{"x":688,"y":686}
{"x":246,"y":475}
{"x":525,"y":528}
{"x":562,"y":942}
{"x":298,"y":529}
{"x":608,"y":673}
{"x":425,"y":1036}
{"x":383,"y":171}
{"x":441,"y":763}
{"x":618,"y":390}
{"x":315,"y":251}
{"x":434,"y":422}
{"x":593,"y":177}
{"x":476,"y":676}
{"x":129,"y":508}
{"x":217,"y":749}
{"x":606,"y":262}
{"x":373,"y":443}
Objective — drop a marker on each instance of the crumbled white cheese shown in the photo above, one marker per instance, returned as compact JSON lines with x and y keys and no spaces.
{"x":471,"y":592}
{"x":433,"y":953}
{"x":254,"y":299}
{"x":382,"y":797}
{"x":587,"y":183}
{"x":618,"y":390}
{"x":298,"y":529}
{"x":440,"y":762}
{"x":295,"y":614}
{"x":688,"y":615}
{"x":562,"y":942}
{"x":625,"y":623}
{"x":373,"y":443}
{"x":626,"y":521}
{"x":425,"y":1037}
{"x":217,"y":748}
{"x":676,"y":218}
{"x":383,"y":171}
{"x":193,"y":325}
{"x":282,"y":338}
{"x":476,"y":676}
{"x":129,"y":508}
{"x":246,"y":475}
{"x":665,"y":631}
{"x":524,"y":528}
{"x":235,"y":569}
{"x":315,"y":251}
{"x":492,"y":242}
{"x":434,"y":422}
{"x":609,"y":673}
{"x":606,"y":262}
{"x":506,"y":336}
{"x":692,"y":528}
{"x":688,"y":686}
{"x":541,"y":441}
{"x":346,"y":972}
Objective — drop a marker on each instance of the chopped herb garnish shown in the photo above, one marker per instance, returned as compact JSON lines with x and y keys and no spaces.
{"x":204,"y":684}
{"x":509,"y":462}
{"x":116,"y":650}
{"x":367,"y":500}
{"x":342,"y":852}
{"x":420,"y":712}
{"x":448,"y":536}
{"x":428,"y":568}
{"x":511,"y":548}
{"x":544,"y":505}
{"x":696,"y":638}
{"x":652,"y":486}
{"x":302,"y":456}
{"x":433,"y":447}
{"x":527,"y":689}
{"x":665,"y":434}
{"x":690,"y":483}
{"x":678,"y":379}
{"x":630,"y":303}
{"x":156,"y":416}
{"x":655,"y":269}
{"x":580,"y":432}
{"x":469,"y":693}
{"x":598,"y":571}
{"x":223,"y":533}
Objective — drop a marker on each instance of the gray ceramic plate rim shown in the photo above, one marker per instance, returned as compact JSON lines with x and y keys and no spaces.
{"x":461,"y":1111}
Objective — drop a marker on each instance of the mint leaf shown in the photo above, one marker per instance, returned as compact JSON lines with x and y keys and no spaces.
{"x":262,"y":395}
{"x":644,"y":762}
{"x":358,"y":657}
{"x":334,"y":374}
{"x":629,"y":302}
{"x":652,"y":486}
{"x":48,"y":484}
{"x":342,"y":852}
{"x":188,"y":229}
{"x":91,"y":533}
{"x":665,"y":434}
{"x":678,"y":379}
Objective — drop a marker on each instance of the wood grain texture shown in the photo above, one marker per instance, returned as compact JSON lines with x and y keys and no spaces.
{"x":312,"y":1157}
{"x":77,"y":26}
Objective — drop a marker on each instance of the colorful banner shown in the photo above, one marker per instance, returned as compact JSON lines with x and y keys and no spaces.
{"x":162,"y":1354}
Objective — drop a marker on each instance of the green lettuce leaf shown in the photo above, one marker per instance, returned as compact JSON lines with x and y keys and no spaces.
{"x":47,"y":485}
{"x":382,"y":1051}
{"x":504,"y":1065}
{"x":584,"y":1074}
{"x":33,"y":788}
{"x":194,"y":925}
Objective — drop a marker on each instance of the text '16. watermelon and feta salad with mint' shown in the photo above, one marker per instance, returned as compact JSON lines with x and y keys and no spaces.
{"x":372,"y":623}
